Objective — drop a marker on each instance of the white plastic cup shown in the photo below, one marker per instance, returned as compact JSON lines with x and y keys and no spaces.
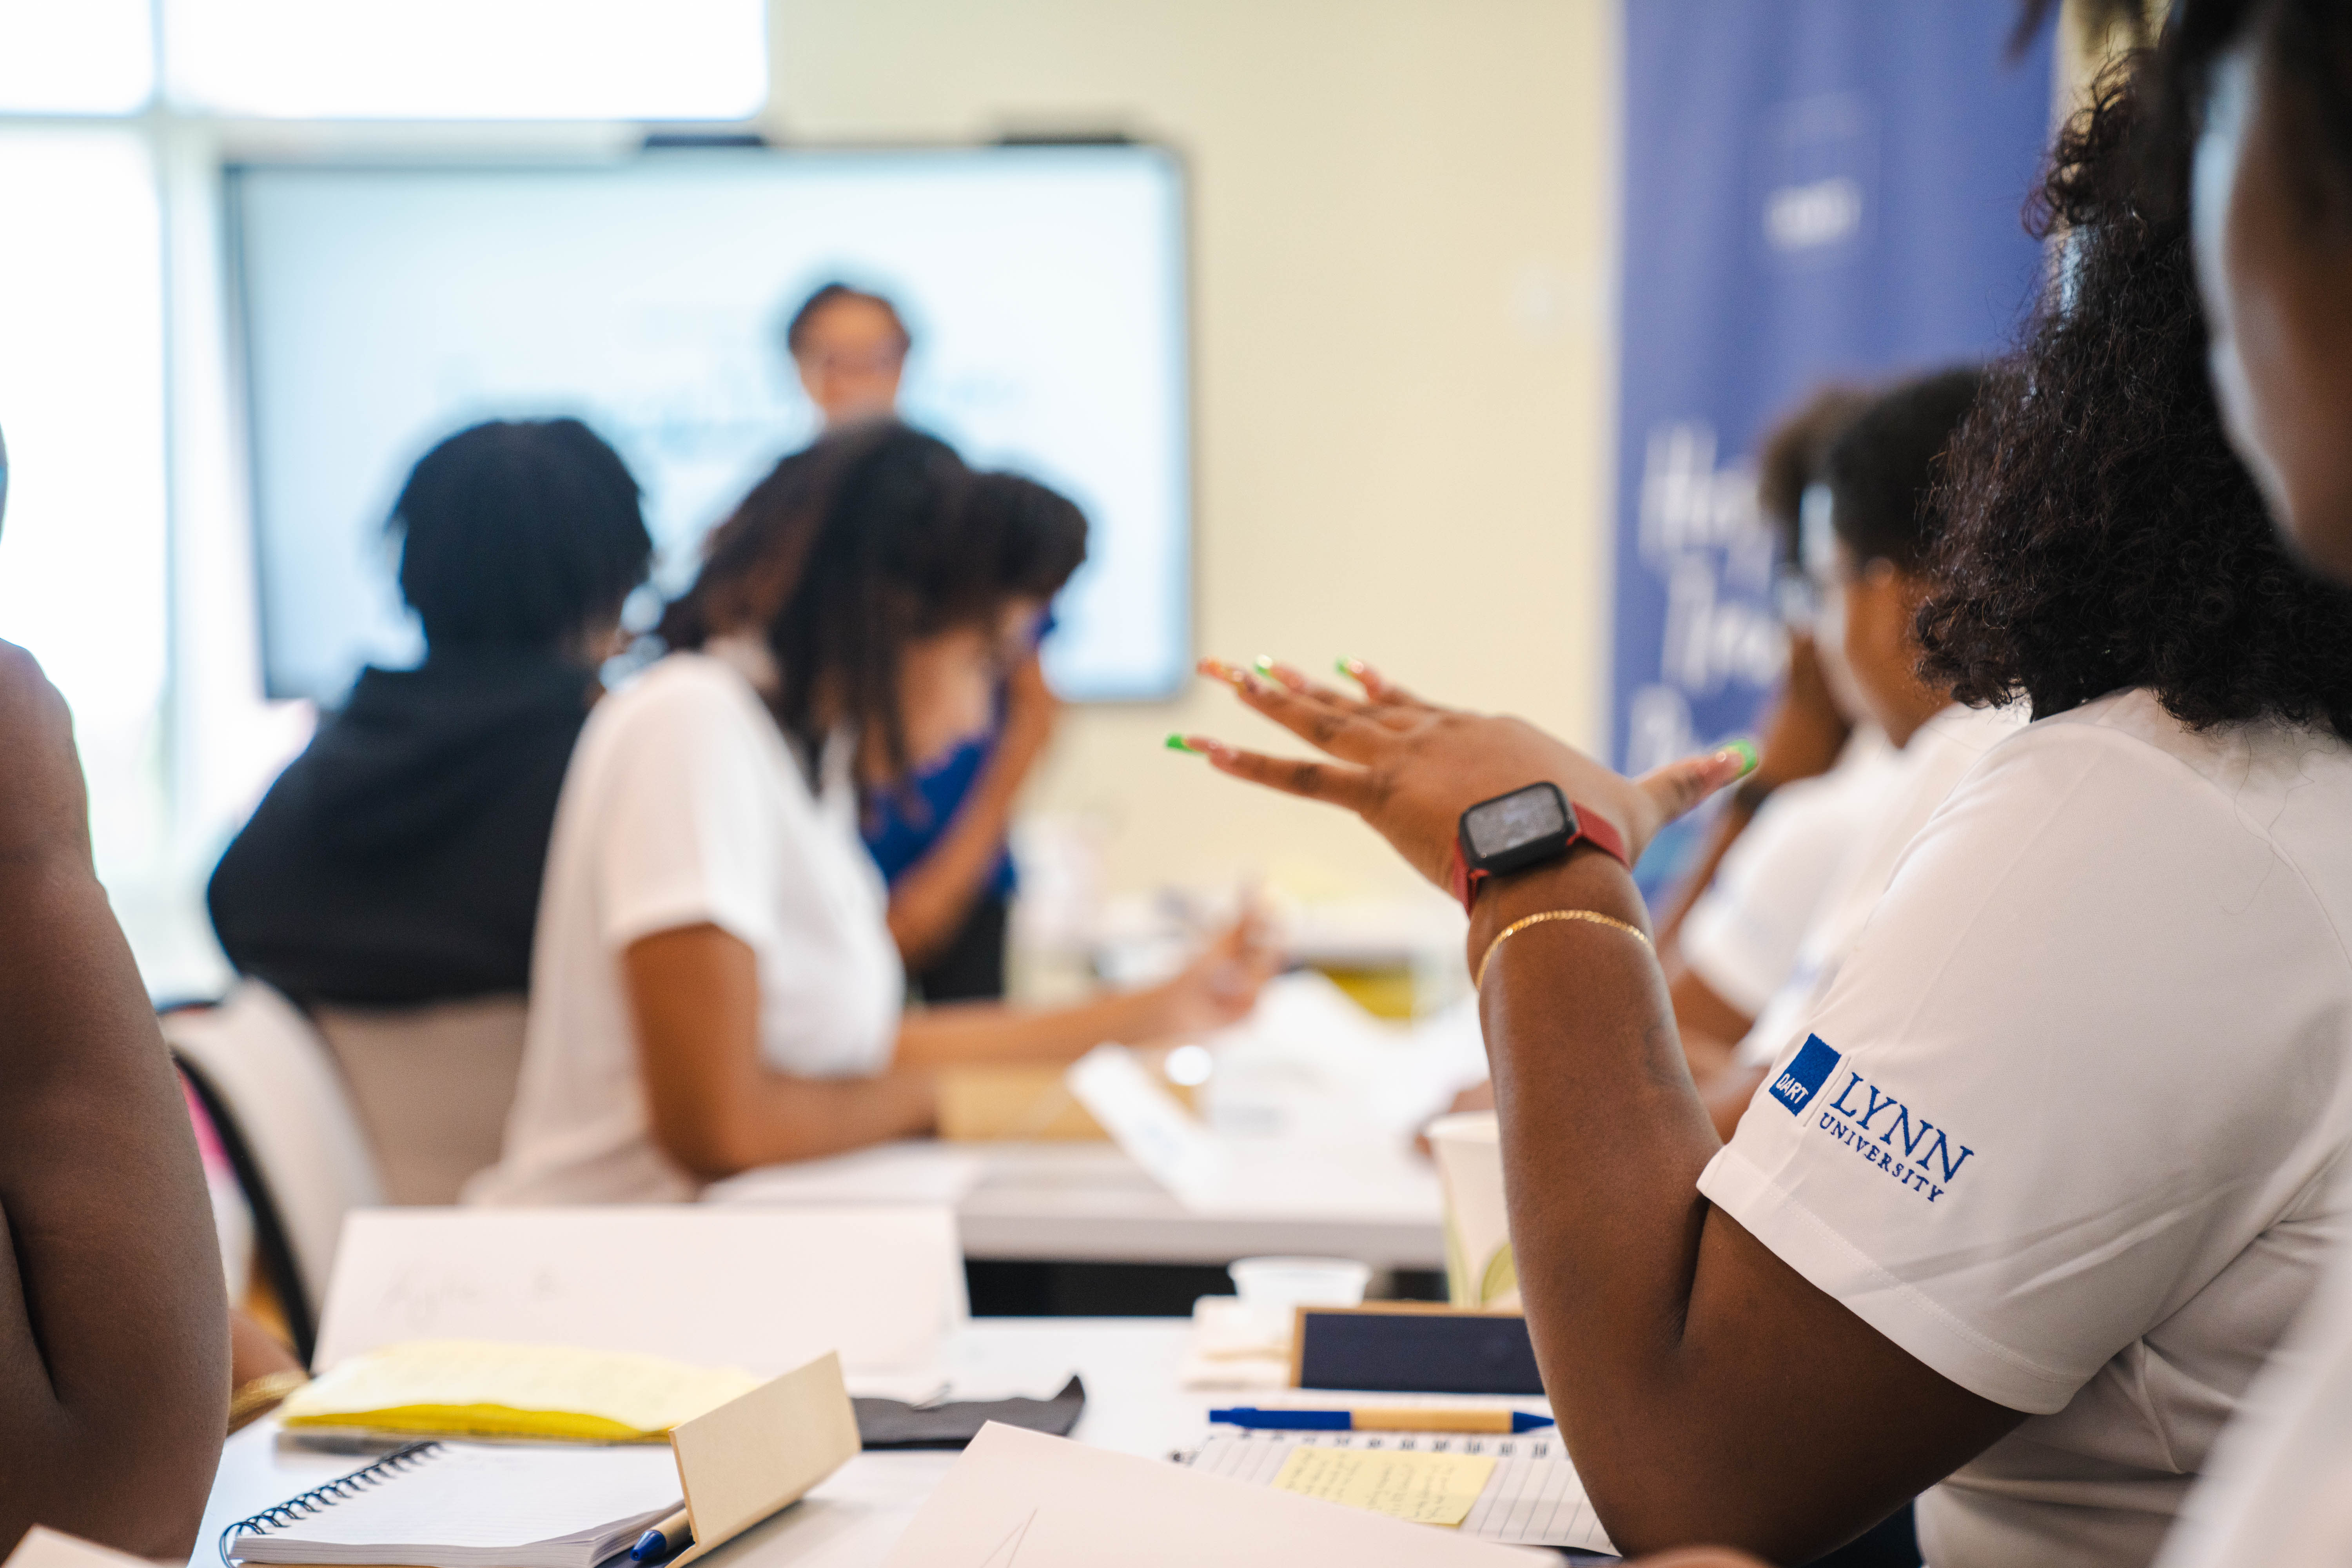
{"x":1281,"y":1283}
{"x":1480,"y":1271}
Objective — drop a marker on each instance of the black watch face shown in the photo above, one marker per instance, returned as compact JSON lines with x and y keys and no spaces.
{"x":1523,"y":820}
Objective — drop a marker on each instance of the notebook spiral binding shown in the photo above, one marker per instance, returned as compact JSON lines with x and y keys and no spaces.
{"x":318,"y":1499}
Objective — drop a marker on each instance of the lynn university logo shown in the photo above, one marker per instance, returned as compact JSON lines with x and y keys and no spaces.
{"x":1885,"y":1133}
{"x":1802,"y":1077}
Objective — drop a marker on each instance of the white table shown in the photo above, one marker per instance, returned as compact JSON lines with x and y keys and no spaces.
{"x":1090,"y":1203}
{"x":1133,"y":1405}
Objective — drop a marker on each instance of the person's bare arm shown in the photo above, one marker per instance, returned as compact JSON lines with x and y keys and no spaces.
{"x":716,"y":1109}
{"x":1664,"y":1330}
{"x":1674,"y":1346}
{"x":1217,"y":988}
{"x":931,"y":900}
{"x":114,"y":1317}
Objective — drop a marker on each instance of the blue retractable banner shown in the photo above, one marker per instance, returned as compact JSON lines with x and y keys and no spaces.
{"x":1813,"y":190}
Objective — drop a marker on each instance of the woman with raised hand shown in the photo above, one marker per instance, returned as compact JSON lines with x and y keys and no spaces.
{"x":2029,"y":1193}
{"x":715,"y":986}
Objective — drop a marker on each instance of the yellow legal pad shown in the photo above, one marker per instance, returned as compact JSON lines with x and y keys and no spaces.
{"x":470,"y":1388}
{"x":1426,"y":1489}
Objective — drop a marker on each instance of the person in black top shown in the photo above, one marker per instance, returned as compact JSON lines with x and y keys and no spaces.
{"x":397,"y":860}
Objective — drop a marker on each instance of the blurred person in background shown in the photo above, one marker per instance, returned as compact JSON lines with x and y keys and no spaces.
{"x":1886,"y":508}
{"x":114,"y":1336}
{"x":717,"y":987}
{"x":1729,"y":938}
{"x":389,"y":881}
{"x":1809,"y":728}
{"x":397,"y":860}
{"x":941,"y":842}
{"x":850,"y":347}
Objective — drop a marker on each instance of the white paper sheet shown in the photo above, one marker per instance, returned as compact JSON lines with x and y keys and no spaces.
{"x":1022,"y":1500}
{"x":763,"y":1288}
{"x":1369,"y":1174}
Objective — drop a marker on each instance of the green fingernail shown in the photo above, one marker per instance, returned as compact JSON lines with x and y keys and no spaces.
{"x":1265,"y":663}
{"x":1747,"y":758}
{"x":1179,"y":743}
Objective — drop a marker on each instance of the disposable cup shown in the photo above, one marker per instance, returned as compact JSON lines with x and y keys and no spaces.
{"x":1480,"y":1271}
{"x":1283,"y":1283}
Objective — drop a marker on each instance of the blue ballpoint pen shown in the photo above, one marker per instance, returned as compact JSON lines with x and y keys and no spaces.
{"x":1404,"y":1418}
{"x":669,"y":1538}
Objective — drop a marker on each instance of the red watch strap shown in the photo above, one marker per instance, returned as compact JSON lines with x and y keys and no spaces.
{"x":1592,"y":828}
{"x":1461,"y":881}
{"x":1597,"y":830}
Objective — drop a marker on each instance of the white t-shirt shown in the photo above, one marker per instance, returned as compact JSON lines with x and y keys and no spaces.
{"x":2063,"y":1125}
{"x":683,"y":804}
{"x":2273,"y":1496}
{"x":1742,"y":935}
{"x":1909,"y":784}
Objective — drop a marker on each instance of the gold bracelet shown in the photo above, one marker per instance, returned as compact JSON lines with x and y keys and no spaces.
{"x":1516,"y":927}
{"x":261,"y":1396}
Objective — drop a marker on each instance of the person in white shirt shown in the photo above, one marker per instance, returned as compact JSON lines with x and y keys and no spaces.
{"x":1742,"y":937}
{"x":714,"y":985}
{"x":1812,"y":729}
{"x":2053,"y":1165}
{"x":1882,"y":519}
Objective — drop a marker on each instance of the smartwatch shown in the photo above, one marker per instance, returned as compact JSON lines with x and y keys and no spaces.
{"x":1523,"y":828}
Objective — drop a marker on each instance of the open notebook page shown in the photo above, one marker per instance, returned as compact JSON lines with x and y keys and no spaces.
{"x":468,"y":1502}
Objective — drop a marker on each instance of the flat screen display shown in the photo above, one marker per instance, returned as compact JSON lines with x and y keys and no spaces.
{"x":383,"y":307}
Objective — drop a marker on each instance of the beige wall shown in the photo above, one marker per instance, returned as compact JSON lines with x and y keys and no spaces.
{"x":1402,"y":252}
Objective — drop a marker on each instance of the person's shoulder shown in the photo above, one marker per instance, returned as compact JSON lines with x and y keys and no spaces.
{"x":686,"y":714}
{"x":2123,"y":777}
{"x":2131,"y":731}
{"x":679,"y":689}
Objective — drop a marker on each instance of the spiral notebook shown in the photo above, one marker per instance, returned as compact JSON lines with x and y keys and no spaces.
{"x":464,"y":1505}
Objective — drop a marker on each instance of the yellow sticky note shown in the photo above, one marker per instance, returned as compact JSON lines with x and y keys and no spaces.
{"x":1411,"y":1484}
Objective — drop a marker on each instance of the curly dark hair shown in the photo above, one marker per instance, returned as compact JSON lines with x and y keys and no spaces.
{"x":2103,"y":533}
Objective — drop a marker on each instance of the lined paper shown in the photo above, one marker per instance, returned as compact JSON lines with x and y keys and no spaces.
{"x":1535,"y":1496}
